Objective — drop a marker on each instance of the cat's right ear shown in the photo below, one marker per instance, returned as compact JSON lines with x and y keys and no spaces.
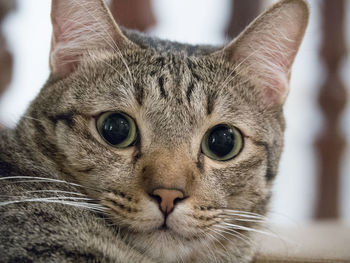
{"x":80,"y":25}
{"x":265,"y":51}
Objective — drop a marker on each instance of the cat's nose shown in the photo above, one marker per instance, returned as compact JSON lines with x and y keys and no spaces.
{"x":167,"y":199}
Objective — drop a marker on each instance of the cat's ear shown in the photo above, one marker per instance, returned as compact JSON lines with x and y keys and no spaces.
{"x":265,"y":51}
{"x":80,"y":25}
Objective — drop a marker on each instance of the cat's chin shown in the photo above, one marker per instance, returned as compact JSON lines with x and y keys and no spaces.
{"x":167,"y":243}
{"x":175,"y":239}
{"x":163,"y":244}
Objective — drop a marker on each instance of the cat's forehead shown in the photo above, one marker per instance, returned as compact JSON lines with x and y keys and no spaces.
{"x":172,"y":92}
{"x":184,"y":89}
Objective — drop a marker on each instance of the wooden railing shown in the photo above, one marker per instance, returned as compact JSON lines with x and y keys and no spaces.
{"x":242,"y":13}
{"x":133,"y":14}
{"x":331,"y":143}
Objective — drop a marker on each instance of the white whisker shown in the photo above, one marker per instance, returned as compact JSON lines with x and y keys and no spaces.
{"x":214,"y":239}
{"x":34,"y":179}
{"x":237,"y":218}
{"x":41,"y":179}
{"x":55,"y":191}
{"x":243,"y":214}
{"x":233,"y":233}
{"x":217,"y":240}
{"x":244,"y":228}
{"x":89,"y":206}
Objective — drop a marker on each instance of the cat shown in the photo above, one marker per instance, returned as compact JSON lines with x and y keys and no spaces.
{"x":143,"y":150}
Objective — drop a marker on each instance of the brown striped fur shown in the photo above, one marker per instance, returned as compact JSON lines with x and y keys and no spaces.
{"x":67,"y":196}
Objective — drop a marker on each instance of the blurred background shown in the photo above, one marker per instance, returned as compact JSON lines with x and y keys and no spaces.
{"x":314,"y":178}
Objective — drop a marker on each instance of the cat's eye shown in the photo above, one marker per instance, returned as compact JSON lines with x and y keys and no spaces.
{"x":117,"y":129}
{"x":222,"y":142}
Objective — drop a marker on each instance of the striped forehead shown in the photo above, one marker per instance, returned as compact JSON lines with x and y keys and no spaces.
{"x":173,"y":100}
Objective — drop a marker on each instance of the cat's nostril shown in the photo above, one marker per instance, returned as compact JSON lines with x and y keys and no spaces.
{"x":156,"y":197}
{"x":167,"y":199}
{"x":177,"y":200}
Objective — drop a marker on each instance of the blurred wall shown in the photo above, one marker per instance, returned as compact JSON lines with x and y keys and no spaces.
{"x":28,"y":32}
{"x":345,"y":194}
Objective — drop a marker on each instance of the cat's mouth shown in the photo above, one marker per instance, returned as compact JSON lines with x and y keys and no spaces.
{"x":168,"y":230}
{"x":176,"y":231}
{"x":178,"y":224}
{"x":164,"y":227}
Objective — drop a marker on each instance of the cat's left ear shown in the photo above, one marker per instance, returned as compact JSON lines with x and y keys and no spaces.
{"x":78,"y":26}
{"x":265,"y":51}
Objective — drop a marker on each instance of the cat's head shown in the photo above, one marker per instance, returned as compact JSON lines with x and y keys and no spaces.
{"x":180,"y":143}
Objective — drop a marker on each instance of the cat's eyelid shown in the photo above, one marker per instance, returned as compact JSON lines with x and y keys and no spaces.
{"x":109,"y":110}
{"x":237,"y":125}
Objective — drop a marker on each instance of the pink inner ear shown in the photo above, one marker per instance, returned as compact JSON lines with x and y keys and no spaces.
{"x":64,"y":57}
{"x":60,"y":63}
{"x":63,"y":65}
{"x":80,"y":25}
{"x":275,"y":70}
{"x":276,"y":92}
{"x":268,"y":67}
{"x":266,"y":50}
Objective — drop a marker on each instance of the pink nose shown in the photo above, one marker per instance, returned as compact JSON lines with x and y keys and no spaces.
{"x":167,"y":199}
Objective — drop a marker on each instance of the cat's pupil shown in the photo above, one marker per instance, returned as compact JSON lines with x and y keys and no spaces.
{"x":221,"y":140}
{"x":115,"y":128}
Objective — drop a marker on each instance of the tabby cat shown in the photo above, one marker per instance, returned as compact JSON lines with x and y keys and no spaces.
{"x":144,"y":150}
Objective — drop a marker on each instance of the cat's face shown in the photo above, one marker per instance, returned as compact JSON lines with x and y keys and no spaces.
{"x":173,"y":189}
{"x":174,"y":101}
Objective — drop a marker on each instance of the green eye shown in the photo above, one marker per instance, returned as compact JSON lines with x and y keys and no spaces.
{"x":117,"y":129}
{"x":222,"y":142}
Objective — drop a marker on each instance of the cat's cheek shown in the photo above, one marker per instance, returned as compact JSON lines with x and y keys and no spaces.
{"x":182,"y":222}
{"x":149,"y":218}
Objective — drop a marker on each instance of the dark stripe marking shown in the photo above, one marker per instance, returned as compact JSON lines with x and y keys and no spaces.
{"x":251,"y":164}
{"x":199,"y":163}
{"x":161,"y":87}
{"x":40,"y":139}
{"x":196,"y":76}
{"x":67,"y":118}
{"x":192,"y":67}
{"x":139,"y":93}
{"x":269,"y":174}
{"x":211,"y":97}
{"x":44,"y":250}
{"x":161,"y":61}
{"x":189,"y":92}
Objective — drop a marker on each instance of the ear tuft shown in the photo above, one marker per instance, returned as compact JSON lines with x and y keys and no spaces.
{"x":267,"y":48}
{"x":80,"y":25}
